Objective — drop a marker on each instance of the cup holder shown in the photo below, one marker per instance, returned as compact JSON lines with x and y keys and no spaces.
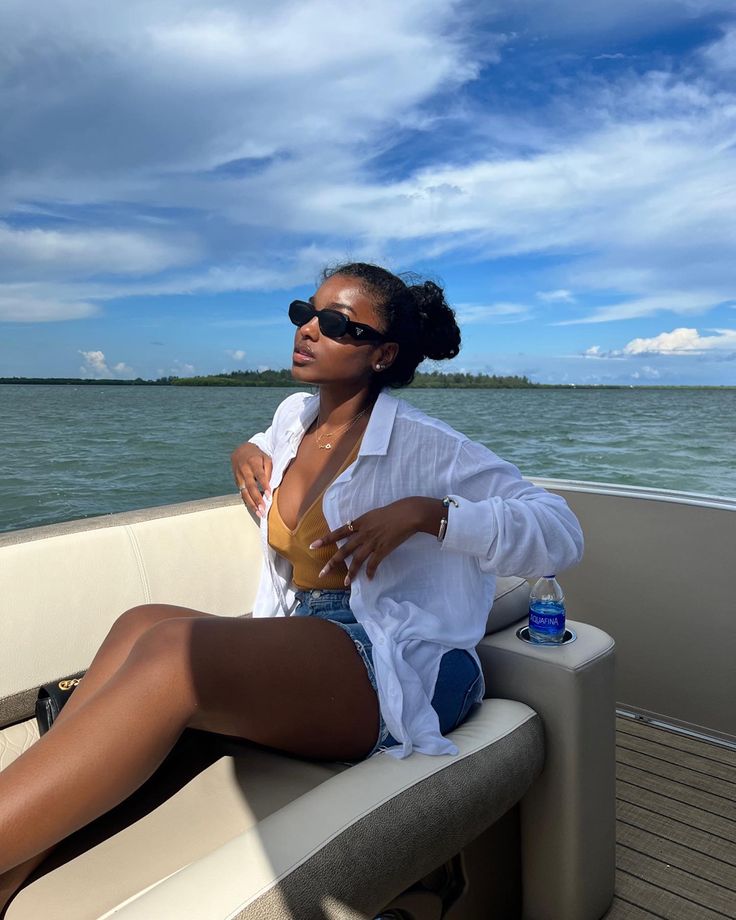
{"x":568,"y":637}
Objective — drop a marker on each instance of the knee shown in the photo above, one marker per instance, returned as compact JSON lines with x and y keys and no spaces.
{"x":134,"y":622}
{"x":164,"y":649}
{"x":160,"y":661}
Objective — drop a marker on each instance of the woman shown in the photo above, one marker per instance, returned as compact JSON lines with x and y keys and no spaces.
{"x":383,"y":530}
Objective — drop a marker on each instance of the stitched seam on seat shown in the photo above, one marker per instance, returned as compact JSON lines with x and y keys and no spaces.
{"x":509,"y":591}
{"x":139,"y":561}
{"x":354,"y":820}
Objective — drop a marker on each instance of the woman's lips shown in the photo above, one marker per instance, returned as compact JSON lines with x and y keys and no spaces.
{"x":302,"y":356}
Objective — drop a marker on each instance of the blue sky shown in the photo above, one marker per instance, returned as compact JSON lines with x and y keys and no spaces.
{"x":173,"y":174}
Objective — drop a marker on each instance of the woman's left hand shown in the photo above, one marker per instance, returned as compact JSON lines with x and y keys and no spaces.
{"x":377,"y":533}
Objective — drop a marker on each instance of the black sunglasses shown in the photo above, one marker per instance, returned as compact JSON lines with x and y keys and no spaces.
{"x":332,"y":323}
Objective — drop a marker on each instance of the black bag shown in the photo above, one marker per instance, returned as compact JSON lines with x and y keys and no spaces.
{"x":51,"y":700}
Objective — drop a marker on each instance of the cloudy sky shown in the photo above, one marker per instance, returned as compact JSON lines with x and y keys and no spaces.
{"x":172,"y":174}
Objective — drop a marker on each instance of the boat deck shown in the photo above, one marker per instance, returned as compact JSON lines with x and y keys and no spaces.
{"x":675,"y":826}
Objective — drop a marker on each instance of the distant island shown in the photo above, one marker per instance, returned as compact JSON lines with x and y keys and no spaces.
{"x":281,"y":378}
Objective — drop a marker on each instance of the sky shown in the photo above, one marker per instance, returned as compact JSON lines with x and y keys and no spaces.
{"x":173,"y":174}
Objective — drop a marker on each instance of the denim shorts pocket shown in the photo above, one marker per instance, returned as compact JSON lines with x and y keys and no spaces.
{"x":456,"y":689}
{"x":471,"y":699}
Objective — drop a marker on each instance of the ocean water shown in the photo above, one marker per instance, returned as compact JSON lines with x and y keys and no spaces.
{"x":71,"y":452}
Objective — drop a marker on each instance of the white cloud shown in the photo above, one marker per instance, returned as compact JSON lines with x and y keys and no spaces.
{"x":196,"y":87}
{"x":684,"y":341}
{"x":95,"y":365}
{"x":18,"y":304}
{"x":681,"y":342}
{"x":182,"y":369}
{"x":468,"y":313}
{"x":65,"y":253}
{"x":236,"y":355}
{"x":217,"y":118}
{"x":647,"y":373}
{"x":680,"y":302}
{"x":722,"y":54}
{"x":559,"y":296}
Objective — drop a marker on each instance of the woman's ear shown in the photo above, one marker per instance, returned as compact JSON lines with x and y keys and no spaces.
{"x":386,"y":356}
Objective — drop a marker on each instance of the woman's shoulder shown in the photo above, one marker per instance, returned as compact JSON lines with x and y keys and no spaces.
{"x":292,"y":407}
{"x":297,"y":399}
{"x":408,"y":417}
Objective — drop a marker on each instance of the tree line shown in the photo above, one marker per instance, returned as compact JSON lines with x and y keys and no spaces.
{"x":282,"y":378}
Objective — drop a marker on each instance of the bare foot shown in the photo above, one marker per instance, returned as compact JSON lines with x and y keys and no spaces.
{"x":11,"y":881}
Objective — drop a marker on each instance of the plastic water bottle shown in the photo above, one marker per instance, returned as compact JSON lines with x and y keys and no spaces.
{"x":547,"y":612}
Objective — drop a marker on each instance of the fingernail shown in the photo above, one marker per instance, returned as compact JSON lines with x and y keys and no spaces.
{"x":323,"y":572}
{"x":316,"y":544}
{"x":261,"y":510}
{"x":347,"y":581}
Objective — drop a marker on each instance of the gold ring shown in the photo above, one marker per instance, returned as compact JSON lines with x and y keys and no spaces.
{"x":350,"y":527}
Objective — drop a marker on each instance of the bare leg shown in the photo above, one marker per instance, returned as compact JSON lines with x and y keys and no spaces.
{"x":295,"y":684}
{"x":126,"y":630}
{"x":124,"y":633}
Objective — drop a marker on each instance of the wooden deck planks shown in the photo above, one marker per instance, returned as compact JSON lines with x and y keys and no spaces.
{"x":676,"y":776}
{"x":683,"y":812}
{"x":625,"y":910}
{"x":676,"y":826}
{"x":684,"y":884}
{"x":660,"y":903}
{"x":678,"y":833}
{"x":680,"y":792}
{"x":675,"y":741}
{"x":704,"y":865}
{"x":693,"y":762}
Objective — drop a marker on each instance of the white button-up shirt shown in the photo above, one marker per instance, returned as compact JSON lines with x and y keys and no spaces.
{"x":426,"y":597}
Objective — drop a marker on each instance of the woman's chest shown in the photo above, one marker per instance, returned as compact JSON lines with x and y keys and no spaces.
{"x":305,"y":478}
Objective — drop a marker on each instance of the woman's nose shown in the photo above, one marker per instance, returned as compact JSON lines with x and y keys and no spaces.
{"x":311,"y":327}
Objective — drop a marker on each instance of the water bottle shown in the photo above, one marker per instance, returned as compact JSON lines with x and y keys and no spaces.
{"x":547,"y":612}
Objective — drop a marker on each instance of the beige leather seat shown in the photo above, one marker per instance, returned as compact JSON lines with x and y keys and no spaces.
{"x":235,"y":830}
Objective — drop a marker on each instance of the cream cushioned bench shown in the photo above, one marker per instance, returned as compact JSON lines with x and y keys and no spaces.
{"x":231,"y":829}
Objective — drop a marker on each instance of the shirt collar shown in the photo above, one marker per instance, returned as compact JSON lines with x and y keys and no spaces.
{"x":380,"y":424}
{"x":377,"y":433}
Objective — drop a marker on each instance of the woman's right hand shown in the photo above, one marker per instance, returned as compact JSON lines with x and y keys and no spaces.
{"x":251,"y":469}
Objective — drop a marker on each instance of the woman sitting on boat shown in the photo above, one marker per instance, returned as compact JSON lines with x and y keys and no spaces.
{"x":383,"y":530}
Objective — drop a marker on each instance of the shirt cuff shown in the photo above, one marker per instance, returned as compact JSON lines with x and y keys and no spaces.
{"x":261,"y":442}
{"x":471,"y":527}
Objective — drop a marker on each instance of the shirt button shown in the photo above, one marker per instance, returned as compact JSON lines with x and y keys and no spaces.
{"x":316,"y":594}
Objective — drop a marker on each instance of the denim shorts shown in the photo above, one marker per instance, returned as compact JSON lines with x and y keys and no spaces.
{"x":459,"y":683}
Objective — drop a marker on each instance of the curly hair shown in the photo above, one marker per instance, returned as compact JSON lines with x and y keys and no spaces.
{"x":416,"y":315}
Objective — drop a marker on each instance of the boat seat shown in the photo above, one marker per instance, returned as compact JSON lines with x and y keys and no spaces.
{"x":228,"y":829}
{"x":258,"y":834}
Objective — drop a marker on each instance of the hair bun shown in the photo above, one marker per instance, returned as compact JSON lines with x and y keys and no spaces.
{"x":439,"y":332}
{"x":415,"y":315}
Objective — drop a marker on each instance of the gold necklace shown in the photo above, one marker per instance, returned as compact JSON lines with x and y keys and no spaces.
{"x":331,"y":434}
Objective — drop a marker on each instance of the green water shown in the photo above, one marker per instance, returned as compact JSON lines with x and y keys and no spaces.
{"x":70,"y":452}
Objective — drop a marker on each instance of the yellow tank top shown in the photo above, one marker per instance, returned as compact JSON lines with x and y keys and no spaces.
{"x":294,"y":544}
